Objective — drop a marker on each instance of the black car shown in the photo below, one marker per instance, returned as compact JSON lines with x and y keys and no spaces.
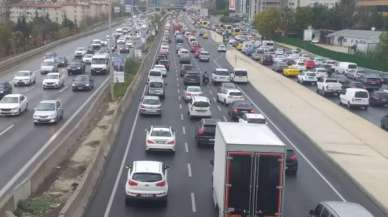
{"x":205,"y":134}
{"x":267,"y":60}
{"x":90,"y":50}
{"x":238,"y":108}
{"x":164,"y":62}
{"x":371,"y":81}
{"x":384,"y":122}
{"x":378,"y":98}
{"x":5,"y":88}
{"x":82,"y":82}
{"x":279,"y":66}
{"x":184,"y":68}
{"x":291,"y":162}
{"x":192,"y":78}
{"x":61,"y":61}
{"x":76,"y":66}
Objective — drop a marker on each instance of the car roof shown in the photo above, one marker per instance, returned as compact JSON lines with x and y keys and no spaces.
{"x":347,"y":209}
{"x":233,"y":90}
{"x":200,"y":98}
{"x":13,"y":95}
{"x":24,"y":71}
{"x":209,"y":121}
{"x":356,"y":89}
{"x":156,"y":79}
{"x":53,"y":73}
{"x":151,"y":97}
{"x":254,"y":116}
{"x":239,"y":69}
{"x":221,"y":69}
{"x":147,"y":166}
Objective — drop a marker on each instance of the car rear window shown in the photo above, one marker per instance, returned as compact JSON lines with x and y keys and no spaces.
{"x":210,"y":129}
{"x":162,"y":133}
{"x":256,"y":120}
{"x":241,"y":73}
{"x":224,"y":73}
{"x":352,"y":66}
{"x":373,"y":80}
{"x":361,"y":94}
{"x":201,"y":104}
{"x":151,"y":102}
{"x":187,"y":67}
{"x":147,"y":177}
{"x":235,"y":93}
{"x":155,"y":73}
{"x":156,"y":84}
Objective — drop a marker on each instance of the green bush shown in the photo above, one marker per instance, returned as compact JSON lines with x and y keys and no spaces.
{"x":130,"y":69}
{"x":367,"y":61}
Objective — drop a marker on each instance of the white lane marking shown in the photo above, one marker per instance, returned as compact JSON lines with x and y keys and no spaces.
{"x":177,"y":79}
{"x":115,"y":187}
{"x":219,"y":108}
{"x":182,"y":117}
{"x":189,"y":169}
{"x":7,"y":129}
{"x":63,"y":89}
{"x":223,"y":117}
{"x":186,"y":147}
{"x":193,"y":207}
{"x":184,"y":130}
{"x":180,"y":105}
{"x":178,"y":91}
{"x":38,"y":154}
{"x":297,"y":149}
{"x":179,"y":97}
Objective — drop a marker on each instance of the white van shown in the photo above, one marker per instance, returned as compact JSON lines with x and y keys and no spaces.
{"x":239,"y":76}
{"x":220,"y":75}
{"x":156,"y":87}
{"x":346,"y":67}
{"x":100,"y":64}
{"x":355,"y":97}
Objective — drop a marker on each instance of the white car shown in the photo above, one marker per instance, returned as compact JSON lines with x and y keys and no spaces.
{"x":253,"y":118}
{"x":307,"y":77}
{"x":160,"y":138}
{"x":13,"y":104}
{"x":87,"y":59}
{"x":53,"y":80}
{"x":321,"y":72}
{"x":191,"y":91}
{"x":80,"y":52}
{"x":204,"y":56}
{"x":146,"y":180}
{"x":228,"y":96}
{"x":199,"y":107}
{"x":48,"y":111}
{"x":23,"y":78}
{"x":161,"y":68}
{"x":163,"y":49}
{"x":239,"y":76}
{"x":48,"y":66}
{"x":355,"y":97}
{"x":155,"y":73}
{"x":220,"y":75}
{"x":221,"y":48}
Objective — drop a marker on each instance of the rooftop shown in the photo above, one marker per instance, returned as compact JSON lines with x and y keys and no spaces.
{"x":368,"y":35}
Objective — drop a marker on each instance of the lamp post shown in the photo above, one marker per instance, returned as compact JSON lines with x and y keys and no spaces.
{"x":110,"y":47}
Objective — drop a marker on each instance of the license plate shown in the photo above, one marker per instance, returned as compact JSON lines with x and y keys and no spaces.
{"x":159,"y":142}
{"x":146,"y":195}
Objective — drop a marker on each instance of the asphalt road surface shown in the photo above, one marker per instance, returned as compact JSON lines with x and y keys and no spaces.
{"x":190,"y":170}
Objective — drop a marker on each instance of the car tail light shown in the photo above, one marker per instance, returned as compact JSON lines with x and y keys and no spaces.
{"x":171,"y":142}
{"x":161,"y":184}
{"x":293,"y":157}
{"x":132,"y":183}
{"x":201,"y":131}
{"x":150,"y":141}
{"x":252,"y":111}
{"x":235,"y":110}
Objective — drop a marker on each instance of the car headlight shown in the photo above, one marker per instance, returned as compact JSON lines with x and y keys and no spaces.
{"x":87,"y":84}
{"x":73,"y":85}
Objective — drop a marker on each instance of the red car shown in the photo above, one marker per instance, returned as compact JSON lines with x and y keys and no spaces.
{"x":309,"y":64}
{"x":195,"y":49}
{"x":197,"y":52}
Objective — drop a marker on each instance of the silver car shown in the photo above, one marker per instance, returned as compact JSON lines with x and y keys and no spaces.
{"x":151,"y":105}
{"x":191,"y":91}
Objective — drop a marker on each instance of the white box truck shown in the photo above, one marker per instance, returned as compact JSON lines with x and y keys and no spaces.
{"x":248,"y":171}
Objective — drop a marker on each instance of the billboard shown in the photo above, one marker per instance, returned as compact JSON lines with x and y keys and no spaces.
{"x":232,"y":5}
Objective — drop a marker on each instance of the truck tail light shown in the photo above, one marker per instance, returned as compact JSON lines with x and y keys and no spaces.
{"x":161,"y":184}
{"x":132,"y":183}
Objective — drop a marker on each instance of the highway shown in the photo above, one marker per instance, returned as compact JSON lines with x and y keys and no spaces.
{"x":20,"y":139}
{"x":190,"y":169}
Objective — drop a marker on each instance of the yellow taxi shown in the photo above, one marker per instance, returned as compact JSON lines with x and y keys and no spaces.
{"x":291,"y":71}
{"x":239,"y":46}
{"x":205,"y":35}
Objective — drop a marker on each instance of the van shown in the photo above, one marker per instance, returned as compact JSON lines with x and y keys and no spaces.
{"x":346,"y":67}
{"x":156,"y":87}
{"x":339,"y":209}
{"x":155,"y":73}
{"x":239,"y":76}
{"x":184,"y":56}
{"x":355,"y":97}
{"x":220,"y":75}
{"x":100,"y":63}
{"x":199,"y":107}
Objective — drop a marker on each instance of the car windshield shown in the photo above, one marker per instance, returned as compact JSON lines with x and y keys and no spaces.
{"x":241,"y":73}
{"x":256,"y":120}
{"x":187,"y":67}
{"x":23,"y":73}
{"x":156,"y":84}
{"x":235,"y":93}
{"x":151,"y":102}
{"x":45,"y":107}
{"x":98,"y":61}
{"x":147,"y":177}
{"x":361,"y":94}
{"x":47,"y":63}
{"x":161,"y":133}
{"x":352,"y":66}
{"x":9,"y":99}
{"x":202,"y":104}
{"x":51,"y":76}
{"x":229,"y":85}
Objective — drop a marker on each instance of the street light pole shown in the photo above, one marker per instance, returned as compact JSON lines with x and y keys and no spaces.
{"x":110,"y":47}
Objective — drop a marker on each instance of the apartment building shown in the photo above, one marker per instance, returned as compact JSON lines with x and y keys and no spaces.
{"x":380,"y":5}
{"x":3,"y":10}
{"x":256,"y":6}
{"x":76,"y":11}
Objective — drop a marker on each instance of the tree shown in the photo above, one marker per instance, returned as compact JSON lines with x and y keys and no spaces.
{"x":303,"y":19}
{"x":382,"y":48}
{"x":267,"y":22}
{"x":343,"y":14}
{"x":5,"y":43}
